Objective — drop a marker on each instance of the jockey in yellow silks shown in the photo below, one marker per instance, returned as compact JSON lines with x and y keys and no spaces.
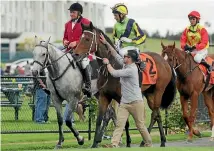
{"x":126,"y":33}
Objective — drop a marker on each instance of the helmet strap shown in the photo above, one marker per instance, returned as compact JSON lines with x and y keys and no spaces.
{"x":121,"y":18}
{"x":78,"y":16}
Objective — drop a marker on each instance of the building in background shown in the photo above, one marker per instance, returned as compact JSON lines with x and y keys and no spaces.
{"x":43,"y":18}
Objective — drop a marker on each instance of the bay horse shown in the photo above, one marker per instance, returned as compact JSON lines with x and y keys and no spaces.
{"x":190,"y":83}
{"x":159,"y":95}
{"x":64,"y":81}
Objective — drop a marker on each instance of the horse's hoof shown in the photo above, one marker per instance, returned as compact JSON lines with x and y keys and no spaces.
{"x":198,"y":134}
{"x":81,"y":141}
{"x":128,"y":145}
{"x":189,"y":141}
{"x":58,"y":147}
{"x":142,"y":144}
{"x":211,"y":139}
{"x":162,"y":145}
{"x":94,"y":146}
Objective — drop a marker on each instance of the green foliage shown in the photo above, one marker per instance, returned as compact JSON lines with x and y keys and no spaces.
{"x":176,"y":122}
{"x":28,"y":44}
{"x":93,"y":103}
{"x":58,"y":41}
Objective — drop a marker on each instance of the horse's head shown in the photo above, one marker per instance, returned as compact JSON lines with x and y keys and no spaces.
{"x":40,"y":56}
{"x":168,"y":53}
{"x":90,"y":41}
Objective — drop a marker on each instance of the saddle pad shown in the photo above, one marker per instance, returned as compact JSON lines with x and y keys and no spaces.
{"x":204,"y":70}
{"x":150,"y":71}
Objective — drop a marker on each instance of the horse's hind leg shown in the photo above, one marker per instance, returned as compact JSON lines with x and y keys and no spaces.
{"x":210,"y":105}
{"x":68,"y":122}
{"x":160,"y":126}
{"x":128,"y":138}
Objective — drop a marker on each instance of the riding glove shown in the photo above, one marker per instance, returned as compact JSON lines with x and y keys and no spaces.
{"x":124,"y":39}
{"x":118,"y":45}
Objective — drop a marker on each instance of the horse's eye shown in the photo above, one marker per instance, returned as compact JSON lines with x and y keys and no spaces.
{"x":43,"y":54}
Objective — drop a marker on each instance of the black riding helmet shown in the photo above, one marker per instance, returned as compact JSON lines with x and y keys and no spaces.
{"x":133,"y":54}
{"x":76,"y":7}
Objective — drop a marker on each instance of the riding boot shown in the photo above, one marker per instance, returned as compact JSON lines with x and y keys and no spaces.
{"x":209,"y":67}
{"x":87,"y":80}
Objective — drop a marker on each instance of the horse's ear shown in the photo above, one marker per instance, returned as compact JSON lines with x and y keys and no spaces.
{"x":173,"y":45}
{"x":83,"y":26}
{"x":91,"y":26}
{"x":164,"y":47}
{"x":47,"y":42}
{"x":36,"y":40}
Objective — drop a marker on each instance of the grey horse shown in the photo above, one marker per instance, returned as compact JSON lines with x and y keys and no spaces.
{"x":64,"y":80}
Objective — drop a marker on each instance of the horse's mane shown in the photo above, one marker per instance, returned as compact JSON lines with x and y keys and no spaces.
{"x":106,"y":37}
{"x":118,"y":66}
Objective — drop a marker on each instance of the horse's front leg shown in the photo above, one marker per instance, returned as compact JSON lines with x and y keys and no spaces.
{"x":58,"y":107}
{"x":68,"y":121}
{"x":103,"y":104}
{"x":191,"y":120}
{"x":106,"y":119}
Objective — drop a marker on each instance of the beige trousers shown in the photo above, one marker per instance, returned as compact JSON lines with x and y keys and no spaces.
{"x":137,"y":110}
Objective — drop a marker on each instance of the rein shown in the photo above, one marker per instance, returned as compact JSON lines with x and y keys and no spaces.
{"x":190,"y":68}
{"x":45,"y":64}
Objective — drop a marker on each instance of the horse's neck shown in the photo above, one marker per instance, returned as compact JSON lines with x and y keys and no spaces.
{"x":186,"y":63}
{"x":56,"y":67}
{"x":111,"y":58}
{"x":114,"y":62}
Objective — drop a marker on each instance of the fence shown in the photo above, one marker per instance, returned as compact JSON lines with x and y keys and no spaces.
{"x":17,"y":113}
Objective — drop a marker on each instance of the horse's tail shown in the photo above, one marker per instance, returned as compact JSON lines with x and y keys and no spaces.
{"x":170,"y":91}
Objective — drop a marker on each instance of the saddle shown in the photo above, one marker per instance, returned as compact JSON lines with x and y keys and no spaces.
{"x":208,"y":77}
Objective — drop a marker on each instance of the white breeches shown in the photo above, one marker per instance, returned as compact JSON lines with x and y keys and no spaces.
{"x":199,"y":55}
{"x":124,"y":50}
{"x":85,"y":62}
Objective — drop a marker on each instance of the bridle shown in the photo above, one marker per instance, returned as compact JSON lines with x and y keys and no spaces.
{"x":103,"y":68}
{"x":180,"y":64}
{"x":94,"y":40}
{"x":47,"y":62}
{"x":44,"y":64}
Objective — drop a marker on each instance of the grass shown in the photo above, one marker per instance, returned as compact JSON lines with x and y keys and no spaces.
{"x":25,"y":122}
{"x":150,"y":149}
{"x":47,"y":141}
{"x":154,"y":45}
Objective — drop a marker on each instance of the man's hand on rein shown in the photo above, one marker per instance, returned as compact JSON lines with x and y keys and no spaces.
{"x":105,"y":61}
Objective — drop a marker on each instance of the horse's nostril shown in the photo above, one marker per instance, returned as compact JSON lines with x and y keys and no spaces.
{"x":34,"y":72}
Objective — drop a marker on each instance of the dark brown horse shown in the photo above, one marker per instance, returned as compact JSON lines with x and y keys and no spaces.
{"x":190,"y":84}
{"x":158,"y":96}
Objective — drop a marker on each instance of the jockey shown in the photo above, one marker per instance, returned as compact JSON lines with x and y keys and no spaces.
{"x":126,"y":31}
{"x":196,"y":40}
{"x":72,"y":35}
